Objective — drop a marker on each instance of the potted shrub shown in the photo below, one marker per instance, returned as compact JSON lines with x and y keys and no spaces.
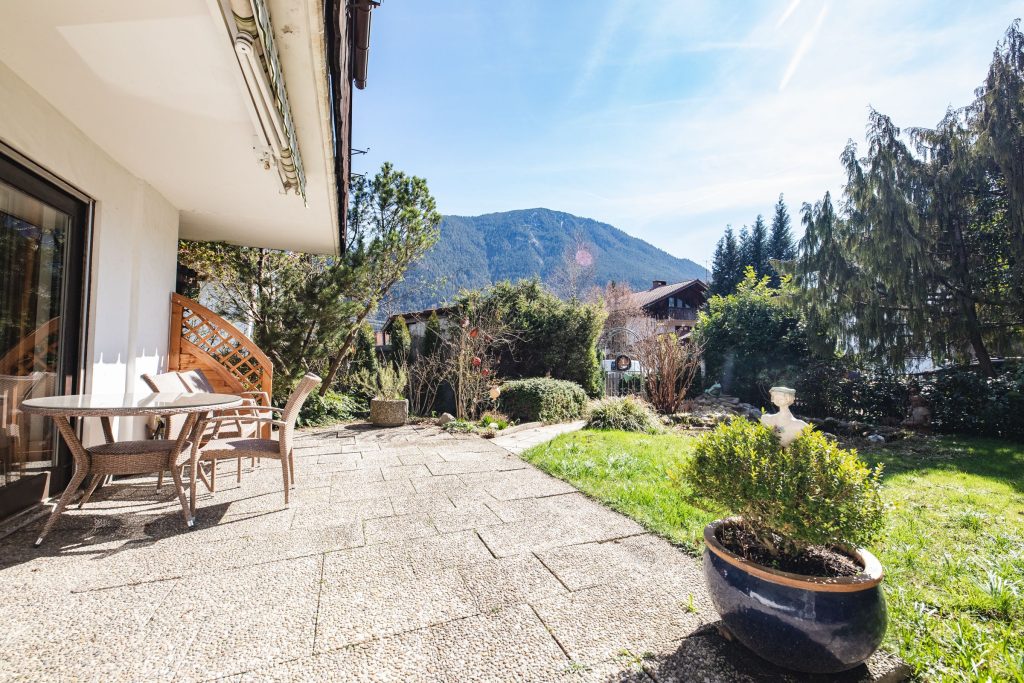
{"x":788,"y":574}
{"x":386,"y":389}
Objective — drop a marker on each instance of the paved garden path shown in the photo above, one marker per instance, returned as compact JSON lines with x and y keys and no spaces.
{"x":406,"y":555}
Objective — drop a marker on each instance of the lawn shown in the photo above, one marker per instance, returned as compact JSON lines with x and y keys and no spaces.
{"x":953,"y":549}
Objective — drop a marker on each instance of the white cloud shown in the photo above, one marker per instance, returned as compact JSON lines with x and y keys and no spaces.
{"x":801,"y":50}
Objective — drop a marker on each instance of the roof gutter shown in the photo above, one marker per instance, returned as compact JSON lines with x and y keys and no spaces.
{"x":360,"y":17}
{"x":347,"y":24}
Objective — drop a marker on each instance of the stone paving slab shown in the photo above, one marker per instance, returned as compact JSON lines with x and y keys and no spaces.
{"x":405,"y":554}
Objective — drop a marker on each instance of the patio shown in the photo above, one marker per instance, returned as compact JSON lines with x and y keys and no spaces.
{"x":406,"y":554}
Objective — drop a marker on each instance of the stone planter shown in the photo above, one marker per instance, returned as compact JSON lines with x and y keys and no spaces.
{"x":389,"y":413}
{"x":803,"y":623}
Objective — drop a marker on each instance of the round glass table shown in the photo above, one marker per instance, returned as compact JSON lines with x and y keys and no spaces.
{"x":125,"y":457}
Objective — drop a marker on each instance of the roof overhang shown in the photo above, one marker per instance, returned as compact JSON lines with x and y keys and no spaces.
{"x":162,"y":88}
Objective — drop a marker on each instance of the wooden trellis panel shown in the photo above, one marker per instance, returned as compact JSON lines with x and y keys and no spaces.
{"x":202,"y":340}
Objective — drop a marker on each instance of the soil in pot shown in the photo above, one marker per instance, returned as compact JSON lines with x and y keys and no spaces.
{"x":812,"y":561}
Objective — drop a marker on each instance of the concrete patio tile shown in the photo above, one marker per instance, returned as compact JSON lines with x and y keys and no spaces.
{"x":373,"y":661}
{"x":446,"y":550}
{"x":629,"y":560}
{"x":348,"y":460}
{"x":368,"y":490}
{"x":398,"y":528}
{"x":382,"y":459}
{"x":419,"y":458}
{"x":466,"y":516}
{"x":438,"y":484}
{"x":339,"y":513}
{"x":233,"y":621}
{"x":422,"y":502}
{"x":601,"y":622}
{"x":515,"y":484}
{"x":356,"y":606}
{"x":87,"y":637}
{"x":357,"y":476}
{"x":405,"y":472}
{"x":485,"y":463}
{"x":504,"y":645}
{"x":509,"y":581}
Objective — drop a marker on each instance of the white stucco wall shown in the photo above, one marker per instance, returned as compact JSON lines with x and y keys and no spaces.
{"x":135,"y":232}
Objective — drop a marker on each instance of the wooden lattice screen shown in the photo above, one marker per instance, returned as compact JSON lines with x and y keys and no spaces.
{"x":202,"y":340}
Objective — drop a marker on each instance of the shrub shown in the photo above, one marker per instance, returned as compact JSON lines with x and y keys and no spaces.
{"x":385,"y":382}
{"x":542,"y":398}
{"x":752,"y":341}
{"x":627,"y":414}
{"x":965,"y":402}
{"x":332,"y":407}
{"x":671,"y":364}
{"x":812,"y":493}
{"x":552,"y":337}
{"x":499,"y":421}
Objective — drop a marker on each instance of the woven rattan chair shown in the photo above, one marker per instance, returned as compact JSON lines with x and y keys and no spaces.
{"x":244,"y":423}
{"x":275,"y":449}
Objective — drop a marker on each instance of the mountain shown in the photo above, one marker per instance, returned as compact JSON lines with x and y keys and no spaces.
{"x":475,"y":251}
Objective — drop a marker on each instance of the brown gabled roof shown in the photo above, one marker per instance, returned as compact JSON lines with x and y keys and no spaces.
{"x":642,"y":299}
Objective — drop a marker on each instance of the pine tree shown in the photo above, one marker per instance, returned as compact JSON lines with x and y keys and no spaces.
{"x":401,"y":342}
{"x":727,"y":270}
{"x":719,"y":269}
{"x":432,"y":337}
{"x":780,"y":240}
{"x":755,"y":248}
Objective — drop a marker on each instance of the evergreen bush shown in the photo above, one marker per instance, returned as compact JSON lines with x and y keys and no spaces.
{"x":628,"y":414}
{"x":331,"y":408}
{"x":812,"y":493}
{"x":543,"y":399}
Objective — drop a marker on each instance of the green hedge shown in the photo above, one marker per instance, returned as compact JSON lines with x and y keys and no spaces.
{"x":321,"y":411}
{"x":542,"y":398}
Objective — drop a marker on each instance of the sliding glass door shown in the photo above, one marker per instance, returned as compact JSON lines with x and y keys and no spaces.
{"x":43,"y":238}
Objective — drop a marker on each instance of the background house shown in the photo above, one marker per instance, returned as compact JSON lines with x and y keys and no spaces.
{"x":674,"y":306}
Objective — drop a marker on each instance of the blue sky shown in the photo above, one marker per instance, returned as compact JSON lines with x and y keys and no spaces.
{"x":666,"y":119}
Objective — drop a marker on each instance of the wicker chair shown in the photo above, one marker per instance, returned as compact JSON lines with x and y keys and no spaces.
{"x":275,"y":449}
{"x":243,"y":423}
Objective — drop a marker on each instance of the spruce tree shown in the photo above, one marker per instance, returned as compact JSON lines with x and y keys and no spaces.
{"x":719,"y":269}
{"x":755,"y":248}
{"x":727,"y":269}
{"x":780,"y":240}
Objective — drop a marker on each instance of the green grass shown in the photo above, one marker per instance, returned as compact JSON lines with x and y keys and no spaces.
{"x":953,"y":548}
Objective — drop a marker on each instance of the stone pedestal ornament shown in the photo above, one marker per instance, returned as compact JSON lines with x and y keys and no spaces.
{"x":783,"y":422}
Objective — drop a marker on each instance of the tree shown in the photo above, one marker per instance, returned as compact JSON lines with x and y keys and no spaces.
{"x":392,"y":223}
{"x":401,"y":342}
{"x":726,"y":269}
{"x":919,"y":264}
{"x":780,"y":240}
{"x":754,"y":247}
{"x":752,"y":340}
{"x":432,"y":335}
{"x":999,"y":116}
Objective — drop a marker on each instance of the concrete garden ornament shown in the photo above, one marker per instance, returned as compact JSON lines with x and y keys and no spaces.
{"x":783,"y":423}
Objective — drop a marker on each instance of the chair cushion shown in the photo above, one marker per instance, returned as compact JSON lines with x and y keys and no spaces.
{"x":241,"y":447}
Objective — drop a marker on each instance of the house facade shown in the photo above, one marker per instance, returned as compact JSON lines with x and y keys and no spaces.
{"x":125,"y":126}
{"x":673,"y":306}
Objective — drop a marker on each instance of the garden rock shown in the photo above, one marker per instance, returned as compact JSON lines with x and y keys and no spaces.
{"x":876,"y":438}
{"x":445,"y":419}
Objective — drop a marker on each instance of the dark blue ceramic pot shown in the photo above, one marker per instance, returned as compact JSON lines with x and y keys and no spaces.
{"x":809,"y":624}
